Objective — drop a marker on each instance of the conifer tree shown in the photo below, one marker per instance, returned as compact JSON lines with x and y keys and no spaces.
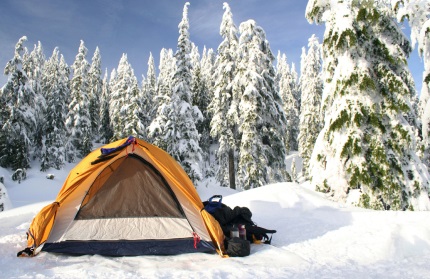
{"x":164,"y":91}
{"x":124,"y":109}
{"x":33,"y":65}
{"x":223,"y":123}
{"x":208,"y":71}
{"x":78,"y":120}
{"x":151,"y":75}
{"x":311,"y":87}
{"x":207,"y":85}
{"x":119,"y":81}
{"x":105,"y":128}
{"x":293,"y":116}
{"x":185,"y":144}
{"x":95,"y":92}
{"x":149,"y":88}
{"x":133,"y":113}
{"x":167,"y":68}
{"x":150,"y":92}
{"x":195,"y":71}
{"x":262,"y":121}
{"x":417,"y":12}
{"x":366,"y":144}
{"x":180,"y":132}
{"x":64,"y":82}
{"x":287,"y":89}
{"x":56,"y":93}
{"x":200,"y":99}
{"x":17,"y":113}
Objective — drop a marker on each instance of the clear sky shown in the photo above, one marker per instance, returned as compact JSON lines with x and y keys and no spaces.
{"x":138,"y":27}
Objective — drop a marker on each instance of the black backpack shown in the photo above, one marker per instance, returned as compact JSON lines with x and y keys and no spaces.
{"x":229,"y":218}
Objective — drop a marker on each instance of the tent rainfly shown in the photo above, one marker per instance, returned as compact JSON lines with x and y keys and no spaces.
{"x":127,"y":198}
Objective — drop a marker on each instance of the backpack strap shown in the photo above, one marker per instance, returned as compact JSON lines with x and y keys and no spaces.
{"x":216,"y":197}
{"x":211,"y":205}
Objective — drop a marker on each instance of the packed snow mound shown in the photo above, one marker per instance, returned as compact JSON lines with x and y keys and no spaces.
{"x":315,"y":238}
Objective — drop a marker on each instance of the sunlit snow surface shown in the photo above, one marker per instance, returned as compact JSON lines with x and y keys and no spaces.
{"x":316,"y":238}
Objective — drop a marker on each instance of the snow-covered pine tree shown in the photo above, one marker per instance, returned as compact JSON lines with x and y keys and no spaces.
{"x":311,"y":86}
{"x":132,"y":110}
{"x":223,"y":125}
{"x":33,"y":65}
{"x":119,"y":81}
{"x":283,"y":78}
{"x":149,"y":91}
{"x":296,"y":91}
{"x":64,"y":82}
{"x":366,"y":145}
{"x":417,"y":13}
{"x":201,"y":99}
{"x":180,"y":131}
{"x":17,"y":113}
{"x":208,"y":70}
{"x":288,"y":89}
{"x":124,"y":108}
{"x":164,"y":91}
{"x":78,"y":120}
{"x":95,"y":92}
{"x":56,"y":93}
{"x":295,"y":117}
{"x":112,"y":81}
{"x":151,"y":75}
{"x":167,"y":68}
{"x":195,"y":72}
{"x":105,"y":128}
{"x":207,"y":74}
{"x":262,"y":120}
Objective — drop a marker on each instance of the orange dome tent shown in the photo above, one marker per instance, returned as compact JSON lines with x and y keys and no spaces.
{"x":126,"y":198}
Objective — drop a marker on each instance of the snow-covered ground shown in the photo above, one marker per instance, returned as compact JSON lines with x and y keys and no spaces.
{"x":316,"y":238}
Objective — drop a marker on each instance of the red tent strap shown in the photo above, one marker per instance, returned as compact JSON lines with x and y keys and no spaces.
{"x":133,"y":143}
{"x":196,"y":239}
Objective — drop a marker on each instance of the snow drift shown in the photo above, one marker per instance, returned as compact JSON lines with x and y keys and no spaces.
{"x":316,"y":238}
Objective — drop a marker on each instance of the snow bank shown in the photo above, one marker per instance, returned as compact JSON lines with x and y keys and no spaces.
{"x":316,"y":238}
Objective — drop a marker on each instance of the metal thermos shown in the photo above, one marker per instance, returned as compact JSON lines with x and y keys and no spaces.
{"x":234,"y":232}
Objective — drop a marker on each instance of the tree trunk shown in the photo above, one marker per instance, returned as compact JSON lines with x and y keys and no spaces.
{"x":231,"y":172}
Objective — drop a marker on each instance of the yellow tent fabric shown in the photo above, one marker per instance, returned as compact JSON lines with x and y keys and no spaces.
{"x":81,"y":178}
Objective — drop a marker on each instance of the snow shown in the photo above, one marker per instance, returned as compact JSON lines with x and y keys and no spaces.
{"x":316,"y":238}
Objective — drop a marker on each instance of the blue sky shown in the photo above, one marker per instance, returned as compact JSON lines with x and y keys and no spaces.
{"x":138,"y":27}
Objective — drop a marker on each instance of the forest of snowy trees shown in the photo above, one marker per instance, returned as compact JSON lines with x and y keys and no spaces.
{"x":235,"y":113}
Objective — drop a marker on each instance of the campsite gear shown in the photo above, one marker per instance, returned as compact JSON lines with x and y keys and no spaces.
{"x":259,"y":234}
{"x":242,"y":232}
{"x":228,"y":218}
{"x":234,"y":232}
{"x":212,"y":204}
{"x":238,"y":247}
{"x":127,"y":198}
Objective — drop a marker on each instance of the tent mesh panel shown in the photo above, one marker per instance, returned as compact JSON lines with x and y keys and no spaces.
{"x":130,"y":187}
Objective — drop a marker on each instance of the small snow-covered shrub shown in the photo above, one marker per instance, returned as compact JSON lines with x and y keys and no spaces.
{"x":3,"y":197}
{"x":19,"y":174}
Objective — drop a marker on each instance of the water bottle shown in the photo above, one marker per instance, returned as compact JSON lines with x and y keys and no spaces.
{"x":234,"y":232}
{"x":242,"y":232}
